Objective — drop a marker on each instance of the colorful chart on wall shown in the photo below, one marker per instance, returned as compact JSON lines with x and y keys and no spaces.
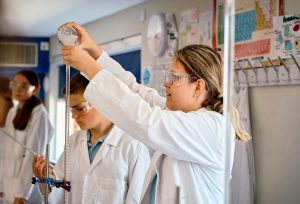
{"x":205,"y":28}
{"x":195,"y":27}
{"x":253,"y":26}
{"x":286,"y":36}
{"x":189,"y":27}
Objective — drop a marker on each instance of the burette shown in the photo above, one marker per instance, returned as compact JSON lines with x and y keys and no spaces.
{"x":17,"y":141}
{"x":67,"y":36}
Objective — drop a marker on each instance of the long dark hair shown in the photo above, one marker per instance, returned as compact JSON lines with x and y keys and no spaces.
{"x":23,"y":115}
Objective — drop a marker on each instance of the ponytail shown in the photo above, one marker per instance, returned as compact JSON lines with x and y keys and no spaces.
{"x":214,"y":104}
{"x":235,"y":120}
{"x":217,"y":106}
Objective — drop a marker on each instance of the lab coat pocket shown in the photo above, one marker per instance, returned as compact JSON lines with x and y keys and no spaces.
{"x":175,"y":201}
{"x":110,"y":190}
{"x":174,"y":198}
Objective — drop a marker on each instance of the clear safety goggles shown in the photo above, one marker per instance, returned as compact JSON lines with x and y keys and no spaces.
{"x":82,"y":108}
{"x":21,"y":86}
{"x":177,"y":79}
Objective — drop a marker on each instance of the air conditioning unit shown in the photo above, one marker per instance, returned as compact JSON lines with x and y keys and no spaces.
{"x":18,"y":54}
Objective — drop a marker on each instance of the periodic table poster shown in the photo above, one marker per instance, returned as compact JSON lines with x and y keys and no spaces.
{"x":253,"y":26}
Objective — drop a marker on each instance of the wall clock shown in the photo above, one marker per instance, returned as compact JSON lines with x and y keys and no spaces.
{"x":157,"y":34}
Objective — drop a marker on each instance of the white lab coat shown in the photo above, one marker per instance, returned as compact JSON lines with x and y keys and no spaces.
{"x":115,"y":176}
{"x":190,"y":147}
{"x":17,"y":173}
{"x":243,"y":171}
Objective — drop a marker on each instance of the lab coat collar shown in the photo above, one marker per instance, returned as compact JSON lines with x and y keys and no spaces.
{"x":113,"y":137}
{"x":83,"y":147}
{"x":111,"y":141}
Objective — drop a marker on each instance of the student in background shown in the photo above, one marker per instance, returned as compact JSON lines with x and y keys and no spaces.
{"x":5,"y":104}
{"x":185,"y":128}
{"x":106,"y":164}
{"x":28,"y":122}
{"x":5,"y":100}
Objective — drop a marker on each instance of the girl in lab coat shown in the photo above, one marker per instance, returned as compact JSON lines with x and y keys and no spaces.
{"x":185,"y":128}
{"x":28,"y":122}
{"x":106,"y":164}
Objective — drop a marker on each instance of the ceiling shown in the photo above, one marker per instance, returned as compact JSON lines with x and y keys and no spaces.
{"x":40,"y":18}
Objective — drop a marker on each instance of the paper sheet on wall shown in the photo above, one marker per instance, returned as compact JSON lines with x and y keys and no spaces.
{"x":286,"y":36}
{"x":195,"y":27}
{"x":205,"y":28}
{"x":189,"y":27}
{"x":147,"y":75}
{"x":153,"y":75}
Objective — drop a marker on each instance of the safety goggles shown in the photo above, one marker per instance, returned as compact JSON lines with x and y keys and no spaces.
{"x":21,"y":86}
{"x":177,"y":79}
{"x":82,"y":108}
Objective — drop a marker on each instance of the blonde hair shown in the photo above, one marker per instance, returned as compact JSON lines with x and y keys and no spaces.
{"x":204,"y":62}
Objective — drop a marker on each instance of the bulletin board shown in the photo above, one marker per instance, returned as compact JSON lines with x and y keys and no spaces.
{"x":267,"y":43}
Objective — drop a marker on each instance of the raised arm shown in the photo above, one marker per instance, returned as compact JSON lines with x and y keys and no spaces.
{"x":148,"y":94}
{"x":97,"y":53}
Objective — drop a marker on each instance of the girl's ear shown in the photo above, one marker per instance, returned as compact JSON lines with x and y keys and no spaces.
{"x":35,"y":90}
{"x":200,"y":87}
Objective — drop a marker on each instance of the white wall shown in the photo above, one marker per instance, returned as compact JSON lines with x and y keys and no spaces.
{"x":275,"y":115}
{"x":275,"y":112}
{"x":275,"y":118}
